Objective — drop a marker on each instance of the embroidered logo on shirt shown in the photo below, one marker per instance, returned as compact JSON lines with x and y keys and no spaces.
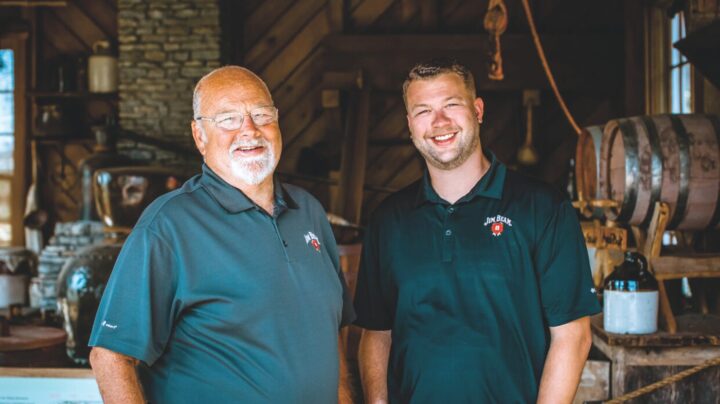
{"x":312,"y":240}
{"x":497,"y":224}
{"x":108,"y":325}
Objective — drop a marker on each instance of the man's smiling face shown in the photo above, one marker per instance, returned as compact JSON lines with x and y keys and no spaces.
{"x":443,"y":120}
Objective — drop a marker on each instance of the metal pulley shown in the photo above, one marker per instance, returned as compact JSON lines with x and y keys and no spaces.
{"x":495,"y":23}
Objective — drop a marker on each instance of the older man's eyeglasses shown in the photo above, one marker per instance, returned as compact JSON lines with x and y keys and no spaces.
{"x":233,"y":120}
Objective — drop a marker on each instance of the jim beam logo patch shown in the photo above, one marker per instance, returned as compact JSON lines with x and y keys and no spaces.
{"x":312,"y":240}
{"x":497,"y":224}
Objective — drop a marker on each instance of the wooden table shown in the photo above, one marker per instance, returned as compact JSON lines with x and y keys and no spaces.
{"x":639,"y":360}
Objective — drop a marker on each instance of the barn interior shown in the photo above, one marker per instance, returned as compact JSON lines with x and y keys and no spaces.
{"x":95,"y":112}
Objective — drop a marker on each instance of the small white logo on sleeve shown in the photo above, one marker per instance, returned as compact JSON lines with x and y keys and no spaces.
{"x":108,"y":325}
{"x":592,"y":290}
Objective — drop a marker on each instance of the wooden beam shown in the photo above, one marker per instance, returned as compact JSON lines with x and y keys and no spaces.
{"x":634,"y":58}
{"x":231,"y":32}
{"x":580,"y":62}
{"x":342,"y":80}
{"x":296,"y":51}
{"x":369,"y":11}
{"x":77,"y":21}
{"x":354,"y":155}
{"x":31,"y":3}
{"x":429,"y":14}
{"x":87,"y":47}
{"x":337,"y":11}
{"x":261,"y":19}
{"x":285,"y":28}
{"x":90,"y":10}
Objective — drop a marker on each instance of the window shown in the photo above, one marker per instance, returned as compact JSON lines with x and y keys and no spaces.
{"x":680,"y":80}
{"x":7,"y":142}
{"x":13,"y":159}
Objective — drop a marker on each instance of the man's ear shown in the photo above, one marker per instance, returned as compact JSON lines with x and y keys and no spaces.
{"x":479,"y":108}
{"x":199,"y":136}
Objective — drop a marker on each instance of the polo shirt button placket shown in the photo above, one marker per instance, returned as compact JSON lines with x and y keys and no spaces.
{"x":447,"y":246}
{"x":280,"y":238}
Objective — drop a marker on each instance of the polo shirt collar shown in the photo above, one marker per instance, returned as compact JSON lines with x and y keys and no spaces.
{"x":490,"y":185}
{"x":234,"y":200}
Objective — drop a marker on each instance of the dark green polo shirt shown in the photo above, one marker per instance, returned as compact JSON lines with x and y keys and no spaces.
{"x":469,"y":289}
{"x":224,"y":303}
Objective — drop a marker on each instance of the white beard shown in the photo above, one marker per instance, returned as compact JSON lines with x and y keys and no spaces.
{"x":253,"y":170}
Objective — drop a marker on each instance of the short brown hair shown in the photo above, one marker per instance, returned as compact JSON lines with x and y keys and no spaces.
{"x":435,"y":67}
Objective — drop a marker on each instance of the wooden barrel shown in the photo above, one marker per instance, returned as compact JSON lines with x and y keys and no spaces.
{"x":587,"y":165}
{"x":669,"y":158}
{"x":33,"y":346}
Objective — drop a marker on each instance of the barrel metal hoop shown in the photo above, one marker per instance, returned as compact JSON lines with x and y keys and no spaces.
{"x":630,"y":144}
{"x":715,"y":121}
{"x":684,"y":150}
{"x":656,"y":167}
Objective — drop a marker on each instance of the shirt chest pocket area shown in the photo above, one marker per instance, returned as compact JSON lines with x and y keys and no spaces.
{"x":311,"y":257}
{"x":492,"y":258}
{"x":480,"y":273}
{"x":485,"y":270}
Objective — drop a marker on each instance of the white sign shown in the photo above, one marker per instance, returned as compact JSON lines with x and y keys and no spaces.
{"x":48,"y":386}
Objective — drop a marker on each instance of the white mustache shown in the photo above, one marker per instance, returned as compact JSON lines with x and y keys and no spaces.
{"x":239,"y":145}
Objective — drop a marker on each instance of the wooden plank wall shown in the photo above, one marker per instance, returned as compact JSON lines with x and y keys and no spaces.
{"x":66,"y":35}
{"x":71,"y":31}
{"x":283,"y":43}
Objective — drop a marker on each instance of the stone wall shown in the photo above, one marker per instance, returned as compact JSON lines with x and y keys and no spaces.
{"x":165,"y":46}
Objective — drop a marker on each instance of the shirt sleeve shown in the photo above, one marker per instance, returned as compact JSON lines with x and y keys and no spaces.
{"x":562,"y":262}
{"x":138,"y":307}
{"x":371,"y":305}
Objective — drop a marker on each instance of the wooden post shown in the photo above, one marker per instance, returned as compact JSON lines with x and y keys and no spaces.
{"x":337,"y":10}
{"x":653,"y":244}
{"x":634,"y":58}
{"x":354,"y":156}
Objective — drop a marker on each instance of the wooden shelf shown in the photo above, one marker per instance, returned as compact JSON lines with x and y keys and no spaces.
{"x":72,"y":95}
{"x":693,"y":330}
{"x":65,"y":138}
{"x":678,"y":266}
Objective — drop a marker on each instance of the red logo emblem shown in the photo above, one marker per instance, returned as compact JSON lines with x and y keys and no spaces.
{"x":312,"y":240}
{"x":497,"y":228}
{"x":497,"y":224}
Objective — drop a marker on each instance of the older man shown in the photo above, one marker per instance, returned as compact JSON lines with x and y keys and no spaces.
{"x":474,"y":284}
{"x":228,"y":289}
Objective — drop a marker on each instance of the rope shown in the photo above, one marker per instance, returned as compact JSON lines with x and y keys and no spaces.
{"x":664,"y":382}
{"x":546,"y":67}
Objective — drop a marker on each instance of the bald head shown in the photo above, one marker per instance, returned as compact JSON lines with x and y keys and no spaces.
{"x":223,"y":77}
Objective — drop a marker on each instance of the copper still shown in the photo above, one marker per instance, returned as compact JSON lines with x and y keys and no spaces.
{"x":121,"y":194}
{"x":103,"y":156}
{"x":79,"y":288}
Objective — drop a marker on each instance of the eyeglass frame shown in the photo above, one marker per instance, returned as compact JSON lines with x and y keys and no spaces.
{"x":242,"y":117}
